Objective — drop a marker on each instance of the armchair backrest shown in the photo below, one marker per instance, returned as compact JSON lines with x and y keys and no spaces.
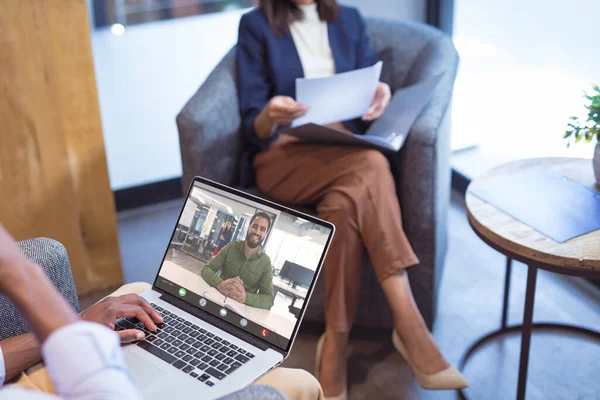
{"x":209,"y":127}
{"x":407,"y":44}
{"x":52,"y":257}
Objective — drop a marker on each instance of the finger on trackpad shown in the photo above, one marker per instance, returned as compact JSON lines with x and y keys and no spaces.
{"x":144,"y":374}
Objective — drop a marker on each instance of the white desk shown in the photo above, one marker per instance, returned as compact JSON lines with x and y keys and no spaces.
{"x":270,"y":319}
{"x":280,"y":285}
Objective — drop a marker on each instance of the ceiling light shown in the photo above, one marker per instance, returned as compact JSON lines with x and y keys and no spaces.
{"x":117,"y":29}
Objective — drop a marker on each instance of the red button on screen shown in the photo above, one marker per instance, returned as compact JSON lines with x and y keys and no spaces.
{"x":264,"y":332}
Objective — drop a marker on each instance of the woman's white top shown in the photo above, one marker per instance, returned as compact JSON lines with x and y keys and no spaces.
{"x":312,"y":43}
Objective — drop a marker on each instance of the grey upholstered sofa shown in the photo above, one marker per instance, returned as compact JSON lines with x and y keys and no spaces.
{"x":52,"y":257}
{"x":211,"y":145}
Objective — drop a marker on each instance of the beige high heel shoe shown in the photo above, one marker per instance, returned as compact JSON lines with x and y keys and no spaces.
{"x":449,"y":378}
{"x":344,"y":394}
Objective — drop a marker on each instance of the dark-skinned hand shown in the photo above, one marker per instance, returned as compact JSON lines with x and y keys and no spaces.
{"x":107,"y":311}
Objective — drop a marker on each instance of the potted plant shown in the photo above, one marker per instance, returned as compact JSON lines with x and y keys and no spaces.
{"x":587,"y":127}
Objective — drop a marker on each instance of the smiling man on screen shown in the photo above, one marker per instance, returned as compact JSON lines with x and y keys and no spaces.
{"x":246,"y":271}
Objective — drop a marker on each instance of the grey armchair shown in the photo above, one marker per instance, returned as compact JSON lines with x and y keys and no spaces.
{"x":211,"y":144}
{"x":52,"y":257}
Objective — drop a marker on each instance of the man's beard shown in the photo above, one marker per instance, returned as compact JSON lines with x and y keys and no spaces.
{"x":251,"y":244}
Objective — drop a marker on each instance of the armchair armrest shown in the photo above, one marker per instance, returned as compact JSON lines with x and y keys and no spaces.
{"x":52,"y":257}
{"x":422,"y":171}
{"x":416,"y":51}
{"x":209,"y":127}
{"x":438,"y":57}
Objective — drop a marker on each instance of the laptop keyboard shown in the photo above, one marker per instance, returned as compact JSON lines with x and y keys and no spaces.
{"x":189,"y":348}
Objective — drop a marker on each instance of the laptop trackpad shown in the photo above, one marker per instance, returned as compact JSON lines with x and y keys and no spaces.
{"x":144,"y":374}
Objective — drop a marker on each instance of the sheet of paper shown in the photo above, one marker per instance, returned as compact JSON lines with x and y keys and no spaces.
{"x":235,"y":306}
{"x":337,"y":98}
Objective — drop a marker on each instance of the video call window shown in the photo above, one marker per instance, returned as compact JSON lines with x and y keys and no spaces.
{"x":207,"y":258}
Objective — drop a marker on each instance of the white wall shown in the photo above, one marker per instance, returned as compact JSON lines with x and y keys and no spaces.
{"x":145,"y":77}
{"x":188,"y":213}
{"x":283,"y":246}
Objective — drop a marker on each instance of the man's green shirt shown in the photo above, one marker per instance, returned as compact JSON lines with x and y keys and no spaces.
{"x":256,"y":273}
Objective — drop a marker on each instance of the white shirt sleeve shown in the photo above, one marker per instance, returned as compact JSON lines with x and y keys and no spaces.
{"x":2,"y":368}
{"x":85,"y":361}
{"x":12,"y":392}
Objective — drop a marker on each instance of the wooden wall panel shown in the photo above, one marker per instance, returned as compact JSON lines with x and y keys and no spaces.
{"x":53,"y":172}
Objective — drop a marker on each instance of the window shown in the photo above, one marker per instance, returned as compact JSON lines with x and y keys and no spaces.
{"x":127,"y":12}
{"x":524,"y":66}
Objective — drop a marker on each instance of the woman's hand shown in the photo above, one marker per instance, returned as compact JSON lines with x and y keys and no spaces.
{"x":280,"y":110}
{"x":381,"y":100}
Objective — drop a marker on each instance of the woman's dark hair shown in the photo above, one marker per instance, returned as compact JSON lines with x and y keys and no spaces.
{"x":281,"y":13}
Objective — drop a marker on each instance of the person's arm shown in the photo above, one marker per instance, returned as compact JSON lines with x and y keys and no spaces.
{"x":28,"y":289}
{"x":260,"y":110}
{"x":254,"y":90}
{"x":18,"y":353}
{"x":266,"y":295}
{"x":84,"y":359}
{"x":85,"y":362}
{"x":366,"y":55}
{"x":22,"y":352}
{"x":209,"y":272}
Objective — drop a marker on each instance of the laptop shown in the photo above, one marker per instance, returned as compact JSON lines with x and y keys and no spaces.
{"x":216,"y":339}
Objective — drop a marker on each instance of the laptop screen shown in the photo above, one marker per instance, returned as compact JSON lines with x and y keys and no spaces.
{"x":244,"y":260}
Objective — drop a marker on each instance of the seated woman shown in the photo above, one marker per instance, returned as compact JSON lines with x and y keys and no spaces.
{"x":353,"y":188}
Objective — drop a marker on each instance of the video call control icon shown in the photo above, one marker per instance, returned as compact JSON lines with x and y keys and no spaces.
{"x":244,"y":322}
{"x":223,"y":312}
{"x":202,"y":302}
{"x":182,"y":292}
{"x":264,"y":332}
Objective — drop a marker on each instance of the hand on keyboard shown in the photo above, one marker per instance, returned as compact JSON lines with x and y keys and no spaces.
{"x":107,"y":311}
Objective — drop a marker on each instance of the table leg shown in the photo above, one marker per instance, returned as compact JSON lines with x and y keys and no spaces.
{"x":526,"y":331}
{"x":506,"y":291}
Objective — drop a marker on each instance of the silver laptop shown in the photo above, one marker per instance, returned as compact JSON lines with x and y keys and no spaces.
{"x":232,"y":288}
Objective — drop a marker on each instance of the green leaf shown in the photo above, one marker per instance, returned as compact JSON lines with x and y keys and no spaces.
{"x":586,"y":127}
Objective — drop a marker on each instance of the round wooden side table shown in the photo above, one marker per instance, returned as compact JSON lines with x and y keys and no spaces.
{"x":579,"y":256}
